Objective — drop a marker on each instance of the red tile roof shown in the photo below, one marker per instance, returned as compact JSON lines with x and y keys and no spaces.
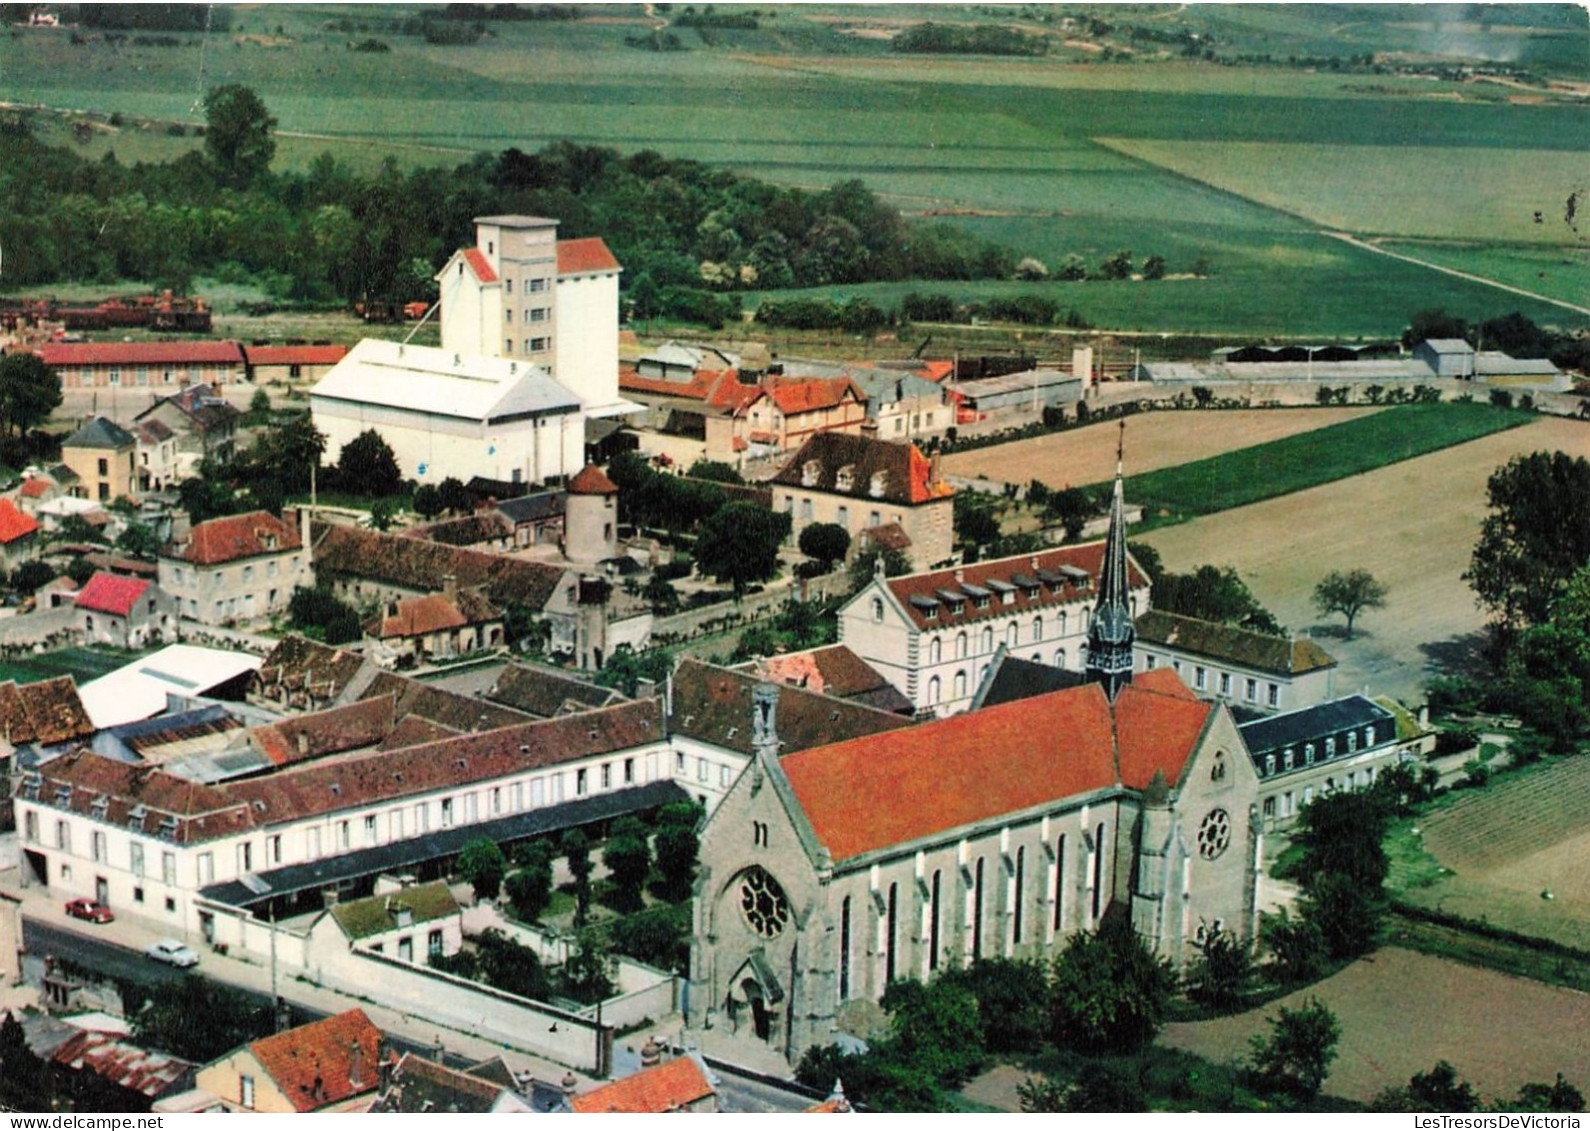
{"x":587,"y":256}
{"x":651,"y":1091}
{"x":140,"y":353}
{"x":13,"y":523}
{"x":1088,"y":557}
{"x":480,"y":265}
{"x":591,"y":481}
{"x":238,"y":536}
{"x":36,"y":487}
{"x":998,"y":760}
{"x":901,"y":472}
{"x":313,"y":1064}
{"x":1158,"y":721}
{"x":936,"y":370}
{"x":295,"y":355}
{"x":416,"y":616}
{"x":795,"y":395}
{"x":112,"y":593}
{"x":326,"y":732}
{"x":47,"y":712}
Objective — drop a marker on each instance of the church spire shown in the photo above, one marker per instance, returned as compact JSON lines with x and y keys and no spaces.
{"x":1110,"y":635}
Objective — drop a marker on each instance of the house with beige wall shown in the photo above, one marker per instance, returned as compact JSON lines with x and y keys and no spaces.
{"x":235,"y":569}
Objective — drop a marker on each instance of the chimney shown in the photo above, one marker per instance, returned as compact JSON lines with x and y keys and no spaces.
{"x":303,"y":743}
{"x":960,"y":574}
{"x":438,"y":1050}
{"x":355,"y":1064}
{"x":450,"y":586}
{"x":181,"y":528}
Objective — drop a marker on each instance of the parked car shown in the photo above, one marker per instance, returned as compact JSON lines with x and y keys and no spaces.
{"x":89,"y":909}
{"x":172,"y":953}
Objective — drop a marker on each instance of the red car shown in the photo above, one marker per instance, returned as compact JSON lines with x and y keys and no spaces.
{"x":89,"y":909}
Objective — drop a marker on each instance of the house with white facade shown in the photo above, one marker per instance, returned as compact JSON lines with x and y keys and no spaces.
{"x":1342,"y":744}
{"x":933,"y":635}
{"x":235,"y":569}
{"x":1251,"y":671}
{"x":125,"y":612}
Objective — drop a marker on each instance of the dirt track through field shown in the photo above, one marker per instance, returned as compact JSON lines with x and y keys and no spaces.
{"x":1153,"y":440}
{"x":1401,"y":1011}
{"x":1412,"y":524}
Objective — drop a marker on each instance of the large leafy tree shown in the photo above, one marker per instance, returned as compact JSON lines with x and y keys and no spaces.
{"x":1536,"y":535}
{"x":482,"y":865}
{"x":739,"y":544}
{"x":1109,"y":991}
{"x":1349,"y":592}
{"x":825,"y":542}
{"x":530,"y":887}
{"x":237,"y":137}
{"x":628,"y":859}
{"x":29,"y":392}
{"x":1212,"y":593}
{"x":368,"y":466}
{"x":1296,"y":1056}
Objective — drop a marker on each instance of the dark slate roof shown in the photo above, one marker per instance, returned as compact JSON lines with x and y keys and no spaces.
{"x":1234,"y":645}
{"x":406,"y":854}
{"x":713,"y":705}
{"x":1293,"y":727}
{"x":545,"y":694}
{"x":438,"y":705}
{"x":1010,"y":679}
{"x":100,"y":433}
{"x":421,"y":1086}
{"x":468,"y":530}
{"x":533,"y":508}
{"x":907,"y":475}
{"x":414,"y":564}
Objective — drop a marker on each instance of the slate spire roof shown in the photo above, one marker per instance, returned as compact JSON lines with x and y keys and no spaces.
{"x":1111,"y":634}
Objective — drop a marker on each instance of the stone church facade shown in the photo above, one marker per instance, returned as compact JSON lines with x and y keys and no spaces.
{"x":830,"y":872}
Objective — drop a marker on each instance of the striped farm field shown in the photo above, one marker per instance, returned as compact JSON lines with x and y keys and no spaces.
{"x":1154,"y":440}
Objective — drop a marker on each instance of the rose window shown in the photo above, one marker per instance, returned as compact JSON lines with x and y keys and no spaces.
{"x":763,"y":903}
{"x":1214,"y":834}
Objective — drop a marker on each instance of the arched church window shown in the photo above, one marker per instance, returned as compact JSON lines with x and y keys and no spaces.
{"x":933,"y":689}
{"x":935,"y":650}
{"x":763,"y":903}
{"x":1218,"y":771}
{"x":877,"y":610}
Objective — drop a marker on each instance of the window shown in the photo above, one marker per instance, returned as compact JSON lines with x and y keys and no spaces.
{"x":934,"y":688}
{"x":844,"y":517}
{"x":1150,"y":661}
{"x":433,"y":944}
{"x":1269,"y":808}
{"x":960,"y":646}
{"x":1021,"y":876}
{"x":405,"y":950}
{"x":507,"y":286}
{"x":63,"y":836}
{"x":844,"y":950}
{"x":507,"y":345}
{"x":507,"y":316}
{"x":447,"y":810}
{"x":1098,"y":870}
{"x":1330,"y":747}
{"x":1217,"y":772}
{"x":977,"y":910}
{"x":1059,"y":883}
{"x":135,"y":853}
{"x":960,"y":685}
{"x":1225,"y":683}
{"x":245,"y":1090}
{"x":539,"y":314}
{"x":892,"y":934}
{"x":537,"y":345}
{"x":935,"y":650}
{"x":537,"y":285}
{"x":607,"y":775}
{"x":1269,"y":763}
{"x":629,"y":771}
{"x":1200,"y":678}
{"x":397,"y":823}
{"x":703,"y":769}
{"x":344,"y":836}
{"x":1369,"y":736}
{"x":1308,"y":754}
{"x":679,"y":762}
{"x":1037,"y":629}
{"x":877,"y":610}
{"x":933,"y":922}
{"x":1288,"y":758}
{"x":759,"y":834}
{"x":1352,"y":741}
{"x":273,"y":849}
{"x":582,"y":782}
{"x":104,"y":467}
{"x":874,"y":518}
{"x":806,"y":510}
{"x":1252,"y":690}
{"x":986,"y":644}
{"x":245,"y":857}
{"x":1011,"y":634}
{"x":369,"y":829}
{"x":97,"y":847}
{"x":168,"y":870}
{"x":206,"y":867}
{"x":1274,"y":696}
{"x":724,"y":776}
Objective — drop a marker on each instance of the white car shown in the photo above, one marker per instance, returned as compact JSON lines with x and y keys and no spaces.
{"x":172,"y":953}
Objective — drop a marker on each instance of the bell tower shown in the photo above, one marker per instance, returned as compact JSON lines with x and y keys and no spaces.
{"x":1111,"y":634}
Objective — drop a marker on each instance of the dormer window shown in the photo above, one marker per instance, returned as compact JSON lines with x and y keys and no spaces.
{"x":99,"y":807}
{"x":845,"y":480}
{"x":880,"y":484}
{"x":270,"y":541}
{"x":1369,"y":736}
{"x":135,"y":818}
{"x":63,"y":795}
{"x":168,"y":828}
{"x":31,"y":784}
{"x":810,"y":471}
{"x":1330,"y":748}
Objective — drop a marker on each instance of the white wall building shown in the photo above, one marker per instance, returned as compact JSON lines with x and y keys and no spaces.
{"x":933,"y":635}
{"x":448,"y":412}
{"x":235,"y":569}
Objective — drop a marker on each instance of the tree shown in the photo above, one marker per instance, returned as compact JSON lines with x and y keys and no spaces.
{"x":825,"y":542}
{"x":530,"y":887}
{"x":935,"y":1028}
{"x":237,"y":136}
{"x":677,"y":848}
{"x":1349,"y":593}
{"x":482,"y":865}
{"x":368,"y":466}
{"x":428,"y":501}
{"x":1154,"y":267}
{"x":1117,"y":266}
{"x":1221,"y":972}
{"x":455,"y":496}
{"x":30,"y":575}
{"x":1295,"y":946}
{"x":628,"y":860}
{"x":864,"y":566}
{"x":587,"y":975}
{"x":975,"y":525}
{"x":259,"y":408}
{"x":1010,"y":995}
{"x":576,"y":849}
{"x":1440,"y":1089}
{"x":199,"y":1020}
{"x":318,"y":614}
{"x":1435,"y":323}
{"x":1297,"y":1055}
{"x":1536,"y":535}
{"x":29,"y":392}
{"x":1211,"y":593}
{"x":138,"y":540}
{"x":1072,"y":507}
{"x":715,"y":470}
{"x":739,"y":545}
{"x":383,"y":512}
{"x":1561,"y":1096}
{"x":1108,"y":990}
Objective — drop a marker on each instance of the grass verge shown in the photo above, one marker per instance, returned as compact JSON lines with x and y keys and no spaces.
{"x":1478,"y":944}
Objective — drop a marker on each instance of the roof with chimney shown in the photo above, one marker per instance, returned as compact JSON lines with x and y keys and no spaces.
{"x":99,"y":433}
{"x":411,"y":563}
{"x":378,"y":914}
{"x":1278,"y":655}
{"x":713,"y":704}
{"x":435,"y":612}
{"x":420,"y":1086}
{"x":971,"y":594}
{"x":667,"y":1087}
{"x":238,"y":536}
{"x":832,"y":670}
{"x":322,"y":1063}
{"x":864,"y":468}
{"x":1019,"y":755}
{"x":46,"y":712}
{"x":546,"y":693}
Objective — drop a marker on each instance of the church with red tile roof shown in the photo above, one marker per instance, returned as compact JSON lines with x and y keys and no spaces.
{"x":828,"y":872}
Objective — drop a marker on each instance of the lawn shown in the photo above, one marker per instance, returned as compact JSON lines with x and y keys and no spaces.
{"x":1324,"y":455}
{"x":82,"y":664}
{"x":1560,"y":272}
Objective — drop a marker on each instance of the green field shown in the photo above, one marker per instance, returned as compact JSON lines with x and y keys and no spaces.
{"x":83,"y":664}
{"x":1310,"y":459}
{"x":1204,"y":161}
{"x":1560,"y":272}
